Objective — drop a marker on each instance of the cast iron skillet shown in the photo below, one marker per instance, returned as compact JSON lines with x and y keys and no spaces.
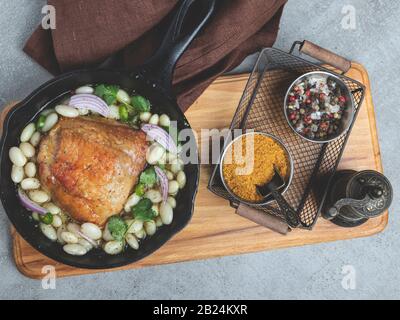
{"x":154,"y":81}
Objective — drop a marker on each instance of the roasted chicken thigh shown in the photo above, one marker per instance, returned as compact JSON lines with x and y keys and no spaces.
{"x":90,"y":166}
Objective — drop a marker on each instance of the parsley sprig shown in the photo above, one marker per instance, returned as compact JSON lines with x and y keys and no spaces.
{"x":143,"y":210}
{"x":148,"y":177}
{"x":117,"y":228}
{"x":107,"y":92}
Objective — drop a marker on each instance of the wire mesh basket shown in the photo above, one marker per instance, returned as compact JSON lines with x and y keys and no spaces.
{"x":261,"y":109}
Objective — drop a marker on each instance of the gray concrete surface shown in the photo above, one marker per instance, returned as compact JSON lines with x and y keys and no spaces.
{"x":298,"y":273}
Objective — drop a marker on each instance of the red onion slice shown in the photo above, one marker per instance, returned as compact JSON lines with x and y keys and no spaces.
{"x":92,"y":107}
{"x":93,"y":99}
{"x":90,"y":102}
{"x":30,"y":205}
{"x":162,"y":178}
{"x":161,"y":136}
{"x":90,"y":97}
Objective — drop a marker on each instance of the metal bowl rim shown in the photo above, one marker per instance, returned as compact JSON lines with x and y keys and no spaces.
{"x":352,"y":115}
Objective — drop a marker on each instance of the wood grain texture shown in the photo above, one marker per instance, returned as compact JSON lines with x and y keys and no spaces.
{"x":215,"y":229}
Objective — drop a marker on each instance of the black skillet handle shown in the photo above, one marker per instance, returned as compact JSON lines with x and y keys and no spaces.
{"x":291,"y":216}
{"x":160,"y":68}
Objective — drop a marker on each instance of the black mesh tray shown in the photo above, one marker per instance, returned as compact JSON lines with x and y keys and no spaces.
{"x":261,"y":109}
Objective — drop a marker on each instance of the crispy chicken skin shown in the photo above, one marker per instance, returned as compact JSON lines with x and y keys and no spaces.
{"x":90,"y":165}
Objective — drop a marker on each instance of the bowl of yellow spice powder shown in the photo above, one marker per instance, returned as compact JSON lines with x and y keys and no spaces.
{"x":250,"y":161}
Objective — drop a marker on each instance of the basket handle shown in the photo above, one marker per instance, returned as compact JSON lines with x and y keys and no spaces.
{"x":323,"y":55}
{"x":263,"y":219}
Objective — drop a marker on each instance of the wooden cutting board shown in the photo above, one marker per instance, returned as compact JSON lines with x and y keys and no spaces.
{"x":215,"y":230}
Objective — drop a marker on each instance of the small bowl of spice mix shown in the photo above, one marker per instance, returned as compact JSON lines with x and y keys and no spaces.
{"x":319,"y":107}
{"x":249,"y":161}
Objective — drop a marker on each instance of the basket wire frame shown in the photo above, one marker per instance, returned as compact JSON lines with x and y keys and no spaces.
{"x":261,"y":109}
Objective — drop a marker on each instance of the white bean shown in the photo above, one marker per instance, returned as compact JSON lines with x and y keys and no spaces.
{"x":154,"y":153}
{"x":50,"y":122}
{"x":141,"y":234}
{"x":59,"y":231}
{"x":38,"y":196}
{"x":176,"y":166}
{"x":163,"y":159}
{"x":181,"y":179}
{"x":57,"y":221}
{"x":83,"y":112}
{"x":134,"y":225}
{"x":48,"y":231}
{"x":156,"y":209}
{"x":113,"y":247}
{"x":166,"y":213}
{"x":35,"y":139}
{"x":91,"y":230}
{"x":150,"y":227}
{"x":30,"y":184}
{"x":84,"y":90}
{"x":86,"y":244}
{"x":123,"y":96}
{"x":52,"y":208}
{"x":27,"y":132}
{"x":69,"y":237}
{"x":30,"y":169}
{"x":132,"y":241}
{"x":173,"y":187}
{"x":172,"y":202}
{"x":165,"y":121}
{"x":154,"y":195}
{"x":74,"y":228}
{"x":159,"y":222}
{"x":75,"y":249}
{"x":114,"y":112}
{"x":17,"y":174}
{"x":67,"y":111}
{"x":171,"y":158}
{"x":17,"y":157}
{"x":107,"y":236}
{"x":145,"y":116}
{"x":133,"y":200}
{"x":27,"y":149}
{"x":169,"y":175}
{"x":35,"y":216}
{"x":154,"y":119}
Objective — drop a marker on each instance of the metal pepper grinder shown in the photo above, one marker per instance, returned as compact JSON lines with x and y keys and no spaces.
{"x":355,"y":197}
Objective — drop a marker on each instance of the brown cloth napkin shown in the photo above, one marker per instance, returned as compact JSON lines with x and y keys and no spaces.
{"x":89,"y":31}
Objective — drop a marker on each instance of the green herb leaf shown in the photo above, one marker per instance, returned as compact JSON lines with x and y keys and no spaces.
{"x":117,"y":227}
{"x":40,"y":123}
{"x":123,"y":113}
{"x":129,"y":115}
{"x":143,"y":210}
{"x":107,"y":93}
{"x":140,"y":103}
{"x":148,"y":177}
{"x":140,"y":189}
{"x":133,"y":120}
{"x":47,"y":218}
